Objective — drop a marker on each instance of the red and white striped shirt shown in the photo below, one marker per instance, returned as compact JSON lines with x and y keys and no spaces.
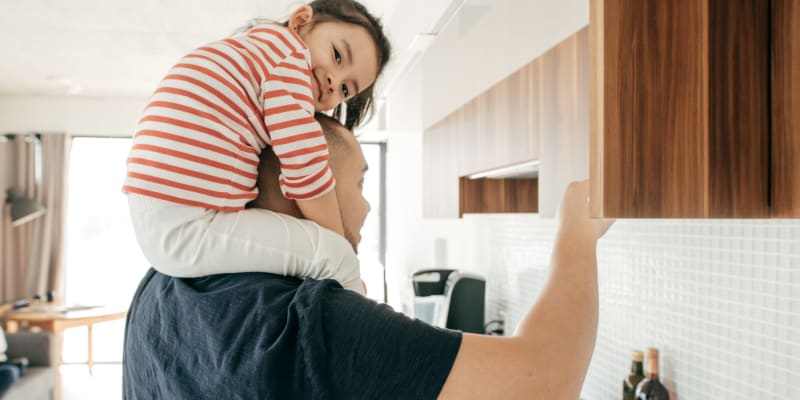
{"x":199,"y":140}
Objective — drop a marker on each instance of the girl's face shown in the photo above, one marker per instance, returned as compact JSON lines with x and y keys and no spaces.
{"x":344,"y":60}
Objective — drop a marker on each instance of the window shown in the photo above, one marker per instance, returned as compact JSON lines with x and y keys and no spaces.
{"x":371,"y":251}
{"x":103,"y":262}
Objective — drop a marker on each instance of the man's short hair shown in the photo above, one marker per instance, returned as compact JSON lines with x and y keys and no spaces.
{"x":269,"y":167}
{"x":332,"y":129}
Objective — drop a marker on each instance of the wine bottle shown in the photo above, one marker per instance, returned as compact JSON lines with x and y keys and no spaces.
{"x":651,"y":388}
{"x":636,"y":376}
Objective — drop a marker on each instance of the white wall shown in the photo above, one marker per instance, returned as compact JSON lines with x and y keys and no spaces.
{"x":720,"y":298}
{"x":70,"y":114}
{"x":489,"y":40}
{"x":410,"y":239}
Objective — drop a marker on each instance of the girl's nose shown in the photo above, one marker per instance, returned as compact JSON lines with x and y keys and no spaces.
{"x":330,"y":84}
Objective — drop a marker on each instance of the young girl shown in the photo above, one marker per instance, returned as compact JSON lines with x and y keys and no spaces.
{"x":193,"y":164}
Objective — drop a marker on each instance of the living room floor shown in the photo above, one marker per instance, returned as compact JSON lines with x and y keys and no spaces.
{"x":104,"y":384}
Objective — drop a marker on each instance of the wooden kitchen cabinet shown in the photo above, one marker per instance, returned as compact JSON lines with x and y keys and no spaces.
{"x":680,"y":108}
{"x":495,"y":129}
{"x":498,"y":196}
{"x":563,"y":119}
{"x":500,"y":126}
{"x":541,"y":112}
{"x":440,"y":159}
{"x":785,"y":108}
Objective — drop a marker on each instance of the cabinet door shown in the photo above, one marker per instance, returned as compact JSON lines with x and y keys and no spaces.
{"x":473,"y":134}
{"x":563,"y":119}
{"x":500,"y":126}
{"x":513,"y":118}
{"x":786,"y":109}
{"x":680,"y":108}
{"x":440,"y":172}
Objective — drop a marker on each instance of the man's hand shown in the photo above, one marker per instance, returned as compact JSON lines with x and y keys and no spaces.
{"x":550,"y":353}
{"x":573,"y":215}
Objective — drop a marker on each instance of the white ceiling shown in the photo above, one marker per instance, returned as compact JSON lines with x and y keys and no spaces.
{"x":114,"y":48}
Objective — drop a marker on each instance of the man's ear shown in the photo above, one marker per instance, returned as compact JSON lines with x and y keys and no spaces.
{"x":301,"y":17}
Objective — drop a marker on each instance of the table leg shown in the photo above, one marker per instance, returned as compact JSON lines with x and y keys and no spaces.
{"x":58,"y":334}
{"x":90,"y":362}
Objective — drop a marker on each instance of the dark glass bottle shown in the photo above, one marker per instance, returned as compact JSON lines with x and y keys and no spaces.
{"x":636,"y":376}
{"x":651,"y":388}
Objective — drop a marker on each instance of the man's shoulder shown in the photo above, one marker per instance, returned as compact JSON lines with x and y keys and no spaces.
{"x":277,"y":337}
{"x":218,"y":329}
{"x":245,"y":281}
{"x":263,"y":286}
{"x":256,"y":296}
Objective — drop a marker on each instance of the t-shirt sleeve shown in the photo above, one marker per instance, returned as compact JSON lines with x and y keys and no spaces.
{"x":372,"y":352}
{"x":295,"y":135}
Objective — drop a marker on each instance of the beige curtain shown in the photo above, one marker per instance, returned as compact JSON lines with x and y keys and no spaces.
{"x":16,"y":241}
{"x":48,"y":260}
{"x":33,"y":253}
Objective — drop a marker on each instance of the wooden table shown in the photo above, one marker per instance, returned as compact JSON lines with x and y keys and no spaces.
{"x":53,"y":320}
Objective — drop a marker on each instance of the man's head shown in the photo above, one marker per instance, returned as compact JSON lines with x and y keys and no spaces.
{"x":348,"y":166}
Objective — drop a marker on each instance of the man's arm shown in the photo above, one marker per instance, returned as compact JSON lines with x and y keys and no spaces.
{"x":549,"y":355}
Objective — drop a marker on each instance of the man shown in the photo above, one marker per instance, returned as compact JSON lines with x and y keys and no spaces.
{"x":267,"y":336}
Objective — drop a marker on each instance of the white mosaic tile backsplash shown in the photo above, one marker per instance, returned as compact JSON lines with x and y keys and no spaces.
{"x":720,"y":298}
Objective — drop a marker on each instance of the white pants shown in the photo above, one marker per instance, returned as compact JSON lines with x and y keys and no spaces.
{"x":185,"y":241}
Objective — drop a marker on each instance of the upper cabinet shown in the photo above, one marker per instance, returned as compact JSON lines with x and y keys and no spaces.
{"x":680,"y":108}
{"x":673,"y":109}
{"x":500,"y":126}
{"x":695,"y":108}
{"x":497,"y":128}
{"x":563,"y":119}
{"x":440,"y":163}
{"x":540,"y":113}
{"x":785,"y":108}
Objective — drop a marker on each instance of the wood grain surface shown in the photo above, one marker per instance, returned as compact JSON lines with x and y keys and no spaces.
{"x":785,"y":183}
{"x":563,"y":119}
{"x":498,"y":196}
{"x":679,"y":119}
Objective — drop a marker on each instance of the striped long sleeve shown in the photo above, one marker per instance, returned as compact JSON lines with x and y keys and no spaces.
{"x":200,"y":136}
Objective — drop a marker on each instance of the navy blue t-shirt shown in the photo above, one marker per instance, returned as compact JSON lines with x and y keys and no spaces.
{"x":264,"y":336}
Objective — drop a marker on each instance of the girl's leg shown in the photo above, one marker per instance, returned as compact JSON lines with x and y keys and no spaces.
{"x":184,"y":241}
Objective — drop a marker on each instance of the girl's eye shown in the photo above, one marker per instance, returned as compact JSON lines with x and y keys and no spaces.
{"x":345,"y":91}
{"x":337,"y":56}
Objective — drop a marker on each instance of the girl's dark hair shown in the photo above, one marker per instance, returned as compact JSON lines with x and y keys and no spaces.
{"x":361,"y":106}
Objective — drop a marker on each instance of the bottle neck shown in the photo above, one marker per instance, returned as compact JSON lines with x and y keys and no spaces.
{"x":637,"y":368}
{"x":652,"y":368}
